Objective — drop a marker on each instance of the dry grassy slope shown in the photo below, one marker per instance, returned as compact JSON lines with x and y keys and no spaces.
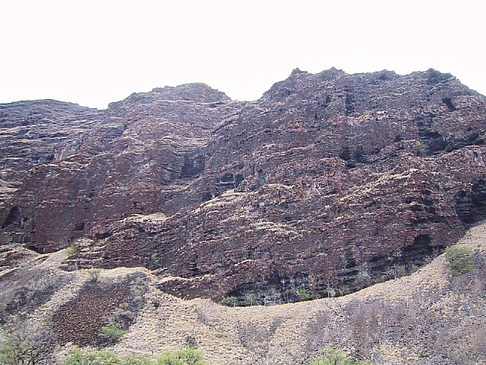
{"x":429,"y":317}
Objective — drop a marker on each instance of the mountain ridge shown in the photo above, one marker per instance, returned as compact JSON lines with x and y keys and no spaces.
{"x":328,"y":180}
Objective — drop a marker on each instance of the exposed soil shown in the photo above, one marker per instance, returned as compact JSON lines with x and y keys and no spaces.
{"x":429,"y":317}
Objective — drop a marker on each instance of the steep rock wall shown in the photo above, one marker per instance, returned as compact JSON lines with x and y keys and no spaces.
{"x":329,"y":182}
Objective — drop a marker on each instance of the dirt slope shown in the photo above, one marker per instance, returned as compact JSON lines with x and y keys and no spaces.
{"x":429,"y":317}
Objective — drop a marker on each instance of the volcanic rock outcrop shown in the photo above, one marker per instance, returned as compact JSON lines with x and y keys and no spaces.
{"x":328,"y":183}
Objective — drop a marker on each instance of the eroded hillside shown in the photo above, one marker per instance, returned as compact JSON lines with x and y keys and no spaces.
{"x":429,"y":317}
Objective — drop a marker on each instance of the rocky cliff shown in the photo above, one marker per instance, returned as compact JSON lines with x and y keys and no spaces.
{"x":328,"y":183}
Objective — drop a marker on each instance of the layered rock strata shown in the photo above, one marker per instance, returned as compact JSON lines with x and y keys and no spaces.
{"x":328,"y":183}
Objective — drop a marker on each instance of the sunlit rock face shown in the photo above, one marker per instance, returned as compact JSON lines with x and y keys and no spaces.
{"x":328,"y":183}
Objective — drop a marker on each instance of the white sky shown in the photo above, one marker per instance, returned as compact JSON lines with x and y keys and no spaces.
{"x":96,"y":52}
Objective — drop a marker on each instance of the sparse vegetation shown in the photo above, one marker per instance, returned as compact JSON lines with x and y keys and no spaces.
{"x":114,"y":333}
{"x":250,"y":299}
{"x":330,"y":292}
{"x":363,"y":279}
{"x":332,"y":356}
{"x":229,"y":301}
{"x":156,"y":261}
{"x":71,"y":250}
{"x":344,"y":289}
{"x":94,"y":273}
{"x":185,"y":356}
{"x":303,"y":294}
{"x":395,"y":271}
{"x":123,"y":316}
{"x":24,"y":347}
{"x":460,"y":259}
{"x":79,"y":356}
{"x":30,"y":295}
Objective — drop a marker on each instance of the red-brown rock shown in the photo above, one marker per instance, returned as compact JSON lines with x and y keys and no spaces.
{"x":328,"y":181}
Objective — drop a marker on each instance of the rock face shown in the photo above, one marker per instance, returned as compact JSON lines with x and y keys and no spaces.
{"x":328,"y":183}
{"x":34,"y":133}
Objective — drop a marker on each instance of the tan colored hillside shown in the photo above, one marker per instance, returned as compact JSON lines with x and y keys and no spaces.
{"x":429,"y":317}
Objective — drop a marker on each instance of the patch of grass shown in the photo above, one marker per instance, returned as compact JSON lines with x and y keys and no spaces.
{"x":422,"y":149}
{"x":460,"y":259}
{"x":156,"y":261}
{"x":344,"y":289}
{"x":113,"y":333}
{"x":186,"y":356}
{"x":71,"y":250}
{"x":395,"y":271}
{"x":332,"y":356}
{"x":94,"y":273}
{"x":79,"y":356}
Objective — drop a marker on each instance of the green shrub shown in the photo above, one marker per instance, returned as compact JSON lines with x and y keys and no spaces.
{"x":229,"y":301}
{"x":250,"y":299}
{"x":24,"y":347}
{"x":137,"y":360}
{"x":157,"y":261}
{"x":460,"y":259}
{"x":113,"y":333}
{"x":186,"y":356}
{"x":395,"y":271}
{"x":332,"y":356}
{"x":78,"y":356}
{"x":303,"y":294}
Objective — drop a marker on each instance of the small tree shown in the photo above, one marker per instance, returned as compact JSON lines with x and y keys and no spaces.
{"x":24,"y":348}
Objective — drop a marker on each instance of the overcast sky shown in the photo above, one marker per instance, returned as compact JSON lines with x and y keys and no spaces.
{"x":95,"y":52}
